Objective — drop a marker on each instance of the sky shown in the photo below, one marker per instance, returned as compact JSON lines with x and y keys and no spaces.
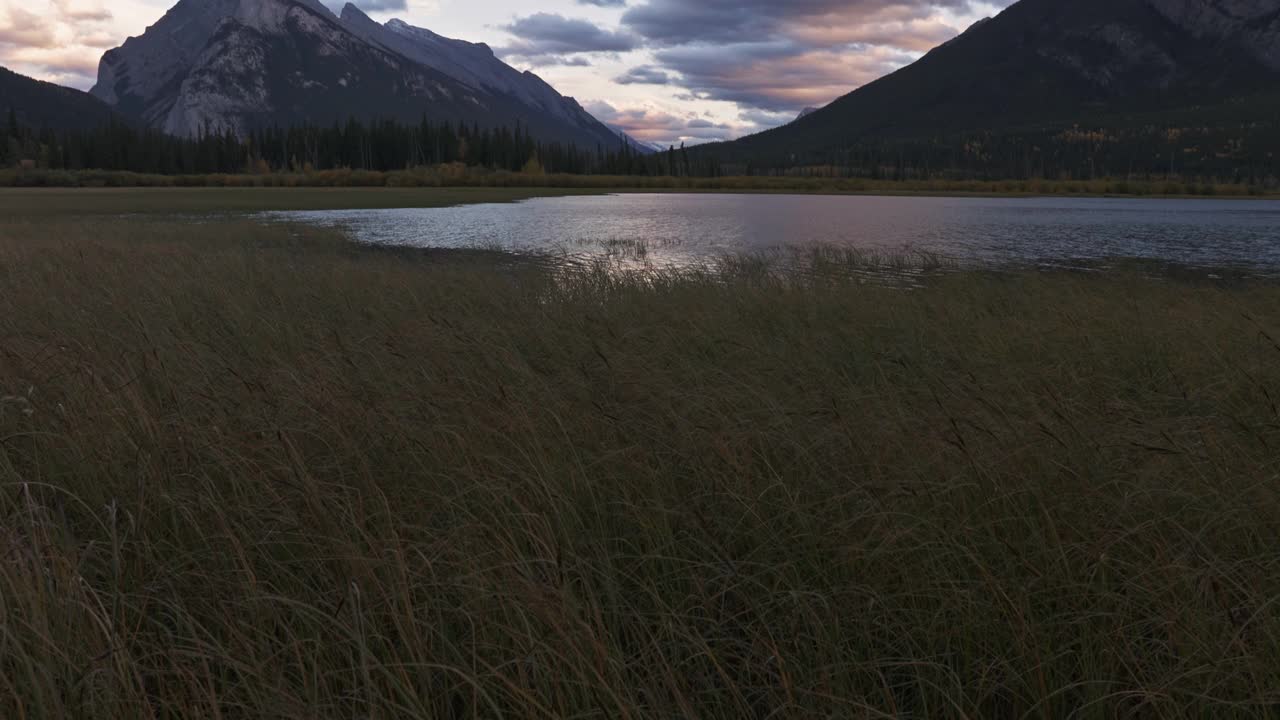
{"x":666,"y":71}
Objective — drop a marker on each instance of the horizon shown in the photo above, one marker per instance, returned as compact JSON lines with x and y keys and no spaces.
{"x":666,"y":72}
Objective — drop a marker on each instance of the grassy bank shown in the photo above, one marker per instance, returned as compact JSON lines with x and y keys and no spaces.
{"x":42,"y":204}
{"x":452,"y":176}
{"x":245,"y":474}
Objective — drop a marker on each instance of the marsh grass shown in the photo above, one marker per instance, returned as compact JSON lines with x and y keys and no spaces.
{"x":457,"y":176}
{"x":248,"y":473}
{"x":163,"y":203}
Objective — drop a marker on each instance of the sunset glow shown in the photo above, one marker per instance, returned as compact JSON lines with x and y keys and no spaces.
{"x":667,"y":71}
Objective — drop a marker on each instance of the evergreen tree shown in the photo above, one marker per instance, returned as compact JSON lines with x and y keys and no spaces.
{"x":1248,"y":153}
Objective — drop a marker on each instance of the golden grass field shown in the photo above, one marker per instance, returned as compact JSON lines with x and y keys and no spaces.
{"x":251,"y":471}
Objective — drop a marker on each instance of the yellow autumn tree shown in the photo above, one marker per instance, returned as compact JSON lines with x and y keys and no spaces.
{"x":532,"y":167}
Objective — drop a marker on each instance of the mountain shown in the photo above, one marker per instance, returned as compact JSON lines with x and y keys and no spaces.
{"x":40,"y":104}
{"x":806,"y":113}
{"x":239,"y":64}
{"x":1054,"y":62}
{"x":540,"y":108}
{"x":644,"y":148}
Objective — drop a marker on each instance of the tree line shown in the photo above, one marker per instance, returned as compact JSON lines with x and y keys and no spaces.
{"x":1245,"y":153}
{"x":384,"y":145}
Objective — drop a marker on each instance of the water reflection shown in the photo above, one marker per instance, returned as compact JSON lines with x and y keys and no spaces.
{"x":661,"y":231}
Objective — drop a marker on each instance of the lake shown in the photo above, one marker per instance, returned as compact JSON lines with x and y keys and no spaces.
{"x":680,"y":230}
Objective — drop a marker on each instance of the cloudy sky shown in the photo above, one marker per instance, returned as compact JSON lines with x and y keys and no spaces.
{"x":665,"y":70}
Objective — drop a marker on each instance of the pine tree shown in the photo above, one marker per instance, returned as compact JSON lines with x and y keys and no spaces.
{"x":15,"y":132}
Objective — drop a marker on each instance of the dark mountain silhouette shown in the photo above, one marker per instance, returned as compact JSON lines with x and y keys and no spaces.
{"x":1058,"y":63}
{"x":38,"y":104}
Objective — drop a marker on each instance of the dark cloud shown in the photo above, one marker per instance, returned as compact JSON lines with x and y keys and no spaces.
{"x":779,"y":57}
{"x":678,"y":22}
{"x":644,"y":75}
{"x":563,"y":61}
{"x":547,"y":38}
{"x":778,"y":76}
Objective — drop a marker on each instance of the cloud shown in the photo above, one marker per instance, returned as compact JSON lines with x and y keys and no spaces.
{"x":679,"y":22}
{"x":82,"y":10}
{"x":780,"y":77}
{"x":764,"y":60}
{"x":749,"y":63}
{"x":644,"y":75}
{"x":660,"y":127}
{"x":780,"y":57}
{"x":19,"y":27}
{"x":763,"y":119}
{"x":549,"y":37}
{"x":59,"y":41}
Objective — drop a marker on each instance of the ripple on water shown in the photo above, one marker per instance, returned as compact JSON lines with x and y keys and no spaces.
{"x":680,"y":231}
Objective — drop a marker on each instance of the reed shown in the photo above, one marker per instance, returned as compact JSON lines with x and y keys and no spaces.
{"x":252,"y":471}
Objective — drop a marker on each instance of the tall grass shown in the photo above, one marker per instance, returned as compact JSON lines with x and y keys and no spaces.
{"x":250,"y":474}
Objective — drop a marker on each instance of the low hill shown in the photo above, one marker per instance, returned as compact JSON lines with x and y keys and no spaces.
{"x":38,"y":104}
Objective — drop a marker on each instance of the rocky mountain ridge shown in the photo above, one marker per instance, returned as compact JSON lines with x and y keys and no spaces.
{"x":218,"y":65}
{"x":1253,"y":25}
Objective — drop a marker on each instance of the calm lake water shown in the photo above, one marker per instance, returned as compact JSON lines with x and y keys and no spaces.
{"x":672,"y":230}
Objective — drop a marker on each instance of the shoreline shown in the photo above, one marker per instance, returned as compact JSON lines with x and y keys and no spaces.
{"x":19,"y":202}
